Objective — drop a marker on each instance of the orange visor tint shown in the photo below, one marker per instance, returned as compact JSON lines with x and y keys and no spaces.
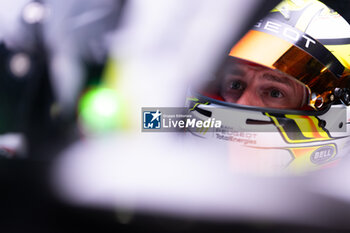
{"x":275,"y":53}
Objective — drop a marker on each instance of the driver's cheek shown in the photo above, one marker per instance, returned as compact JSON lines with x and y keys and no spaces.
{"x":281,"y":103}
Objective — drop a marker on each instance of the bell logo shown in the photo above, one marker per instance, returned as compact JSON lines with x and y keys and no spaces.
{"x":152,"y":119}
{"x":323,"y":154}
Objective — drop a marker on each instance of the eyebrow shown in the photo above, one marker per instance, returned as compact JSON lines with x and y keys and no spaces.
{"x":283,"y":80}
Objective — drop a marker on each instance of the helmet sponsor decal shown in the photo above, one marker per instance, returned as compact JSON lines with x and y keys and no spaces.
{"x":323,"y":154}
{"x":313,"y":155}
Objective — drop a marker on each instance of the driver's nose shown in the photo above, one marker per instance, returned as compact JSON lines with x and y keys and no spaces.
{"x":250,"y":98}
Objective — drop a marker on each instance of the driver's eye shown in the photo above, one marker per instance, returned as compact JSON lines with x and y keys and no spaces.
{"x":276,"y":93}
{"x":237,"y":85}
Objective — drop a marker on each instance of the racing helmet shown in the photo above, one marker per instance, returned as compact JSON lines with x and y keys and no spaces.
{"x":303,"y":43}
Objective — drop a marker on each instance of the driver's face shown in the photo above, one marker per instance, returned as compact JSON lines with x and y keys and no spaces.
{"x":262,"y":87}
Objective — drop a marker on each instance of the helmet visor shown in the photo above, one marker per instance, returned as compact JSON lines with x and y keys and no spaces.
{"x":280,"y":55}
